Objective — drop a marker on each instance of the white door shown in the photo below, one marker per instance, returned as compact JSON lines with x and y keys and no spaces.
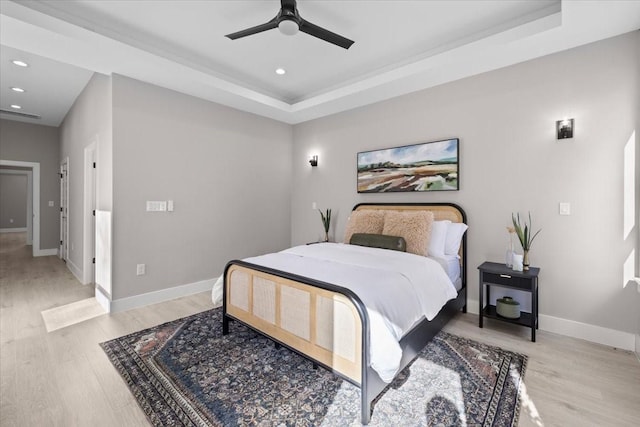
{"x":64,"y":210}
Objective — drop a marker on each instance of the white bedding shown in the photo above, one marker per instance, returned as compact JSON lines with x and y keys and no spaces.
{"x":397,"y":288}
{"x":451,"y":265}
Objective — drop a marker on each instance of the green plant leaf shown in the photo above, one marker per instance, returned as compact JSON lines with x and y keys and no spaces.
{"x":526,"y":235}
{"x":326,"y":219}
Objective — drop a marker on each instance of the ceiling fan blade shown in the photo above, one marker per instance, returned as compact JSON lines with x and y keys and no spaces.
{"x":254,"y":30}
{"x":326,"y":35}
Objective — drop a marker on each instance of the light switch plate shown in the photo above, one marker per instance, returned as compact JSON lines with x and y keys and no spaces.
{"x":156,"y":206}
{"x":565,"y":208}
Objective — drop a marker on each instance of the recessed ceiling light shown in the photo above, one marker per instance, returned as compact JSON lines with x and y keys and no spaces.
{"x":280,"y":71}
{"x":20,"y":63}
{"x":17,"y":89}
{"x":17,"y":107}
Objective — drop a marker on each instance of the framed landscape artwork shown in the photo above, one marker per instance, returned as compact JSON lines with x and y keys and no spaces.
{"x":430,"y":166}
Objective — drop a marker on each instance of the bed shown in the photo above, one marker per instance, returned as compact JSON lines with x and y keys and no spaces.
{"x":326,"y":321}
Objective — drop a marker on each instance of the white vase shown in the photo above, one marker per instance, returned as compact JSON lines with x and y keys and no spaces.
{"x":517,"y":262}
{"x":508,"y":258}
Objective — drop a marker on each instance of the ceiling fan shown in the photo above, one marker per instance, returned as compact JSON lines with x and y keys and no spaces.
{"x":288,"y":21}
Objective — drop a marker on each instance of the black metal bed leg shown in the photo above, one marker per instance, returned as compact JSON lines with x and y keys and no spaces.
{"x":225,"y":325}
{"x":366,"y":412}
{"x":464,"y":308}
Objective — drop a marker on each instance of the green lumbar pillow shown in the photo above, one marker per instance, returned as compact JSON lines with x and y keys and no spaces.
{"x":382,"y":241}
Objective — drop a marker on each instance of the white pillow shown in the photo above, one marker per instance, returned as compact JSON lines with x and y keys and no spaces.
{"x":454,"y":237}
{"x":438,"y":238}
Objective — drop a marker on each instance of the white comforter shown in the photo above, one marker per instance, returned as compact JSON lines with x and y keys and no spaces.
{"x":397,"y":288}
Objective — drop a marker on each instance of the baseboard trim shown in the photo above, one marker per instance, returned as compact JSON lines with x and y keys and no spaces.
{"x":77,"y":272}
{"x":571,"y":328}
{"x":593,"y":333}
{"x":46,"y":252}
{"x":13,"y":230}
{"x":137,"y":301}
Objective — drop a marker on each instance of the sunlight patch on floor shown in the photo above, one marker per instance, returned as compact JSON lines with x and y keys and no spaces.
{"x":528,"y":408}
{"x":427,"y":381}
{"x":70,"y":314}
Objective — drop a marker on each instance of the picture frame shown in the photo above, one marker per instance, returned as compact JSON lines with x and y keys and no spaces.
{"x":423,"y":167}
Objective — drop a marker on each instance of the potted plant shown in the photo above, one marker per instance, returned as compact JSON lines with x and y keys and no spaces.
{"x":326,"y":222}
{"x":525,"y":236}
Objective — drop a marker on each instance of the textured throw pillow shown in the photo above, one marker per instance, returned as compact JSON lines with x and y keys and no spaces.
{"x":438,"y":238}
{"x":367,"y":221}
{"x":455,"y":231}
{"x":381,"y":241}
{"x":414,"y":227}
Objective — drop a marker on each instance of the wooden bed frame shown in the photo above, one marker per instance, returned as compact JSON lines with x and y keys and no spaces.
{"x":324,"y":322}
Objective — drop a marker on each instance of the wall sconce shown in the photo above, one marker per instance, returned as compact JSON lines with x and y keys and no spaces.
{"x":313,"y":161}
{"x":564,"y":129}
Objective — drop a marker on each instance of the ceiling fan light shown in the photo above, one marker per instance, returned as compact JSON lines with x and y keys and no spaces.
{"x":288,"y":27}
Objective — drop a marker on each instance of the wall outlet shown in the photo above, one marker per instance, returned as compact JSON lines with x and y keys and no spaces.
{"x":314,"y":206}
{"x":10,"y":220}
{"x":51,"y":203}
{"x":140,"y":269}
{"x":564,"y":208}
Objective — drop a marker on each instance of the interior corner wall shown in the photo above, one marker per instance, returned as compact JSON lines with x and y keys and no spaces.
{"x":28,"y":142}
{"x":88,"y":120}
{"x":228,"y":173}
{"x":510,"y":161}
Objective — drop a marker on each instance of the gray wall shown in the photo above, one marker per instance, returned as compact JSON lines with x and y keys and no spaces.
{"x":228,"y":173}
{"x":13,"y":200}
{"x":27,"y":142}
{"x":89,"y":120}
{"x":510,"y":162}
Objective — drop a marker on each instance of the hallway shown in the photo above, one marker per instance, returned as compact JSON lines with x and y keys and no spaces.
{"x":63,"y":378}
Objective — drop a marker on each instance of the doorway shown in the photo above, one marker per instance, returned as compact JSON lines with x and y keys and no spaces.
{"x":33,"y":202}
{"x":18,"y":191}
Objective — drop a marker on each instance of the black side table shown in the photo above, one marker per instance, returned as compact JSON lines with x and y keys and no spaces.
{"x":494,"y":274}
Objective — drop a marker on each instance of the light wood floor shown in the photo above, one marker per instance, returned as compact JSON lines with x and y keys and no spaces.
{"x":63,"y":378}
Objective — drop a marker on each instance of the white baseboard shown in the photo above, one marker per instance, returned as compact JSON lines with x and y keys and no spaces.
{"x":13,"y":230}
{"x":136,"y":301}
{"x":598,"y":334}
{"x":77,"y":272}
{"x":571,"y":328}
{"x":46,"y":252}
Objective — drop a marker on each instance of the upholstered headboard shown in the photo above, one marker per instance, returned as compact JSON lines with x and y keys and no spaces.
{"x":441,"y":212}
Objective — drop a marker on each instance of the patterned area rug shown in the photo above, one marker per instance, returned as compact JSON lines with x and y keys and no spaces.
{"x":185,"y":373}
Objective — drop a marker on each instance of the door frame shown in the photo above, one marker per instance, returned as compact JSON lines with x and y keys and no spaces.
{"x":63,"y":251}
{"x":35,"y":200}
{"x":90,"y":205}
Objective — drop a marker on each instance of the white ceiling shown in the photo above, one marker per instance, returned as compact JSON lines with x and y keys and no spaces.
{"x":400,"y":47}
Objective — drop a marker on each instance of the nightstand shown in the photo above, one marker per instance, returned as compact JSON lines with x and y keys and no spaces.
{"x":494,"y":274}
